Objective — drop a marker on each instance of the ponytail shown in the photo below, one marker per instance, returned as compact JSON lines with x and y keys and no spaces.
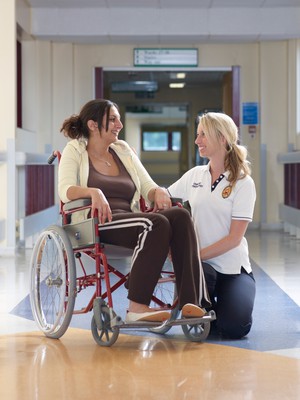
{"x":72,"y":127}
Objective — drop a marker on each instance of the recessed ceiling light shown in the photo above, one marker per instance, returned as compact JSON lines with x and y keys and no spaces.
{"x":134,"y":86}
{"x":177,"y":85}
{"x":177,"y":75}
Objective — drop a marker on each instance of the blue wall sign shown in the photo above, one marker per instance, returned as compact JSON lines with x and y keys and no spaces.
{"x":250,"y":113}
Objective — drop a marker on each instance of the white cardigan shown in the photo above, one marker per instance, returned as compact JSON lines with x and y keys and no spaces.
{"x":74,"y":171}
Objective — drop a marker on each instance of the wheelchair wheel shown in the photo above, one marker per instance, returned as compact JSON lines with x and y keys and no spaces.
{"x":196,"y":333}
{"x":53,"y":282}
{"x":105,"y":336}
{"x":165,"y":297}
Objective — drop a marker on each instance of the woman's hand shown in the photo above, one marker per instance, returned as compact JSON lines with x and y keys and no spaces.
{"x":99,"y":201}
{"x":101,"y":205}
{"x":161,"y":199}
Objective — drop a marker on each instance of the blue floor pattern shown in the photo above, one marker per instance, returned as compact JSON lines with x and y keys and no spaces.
{"x":276,"y":318}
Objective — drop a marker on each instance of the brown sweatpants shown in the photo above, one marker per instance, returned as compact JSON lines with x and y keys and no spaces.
{"x":151,"y":236}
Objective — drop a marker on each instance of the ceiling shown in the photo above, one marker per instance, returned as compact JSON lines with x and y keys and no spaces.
{"x":177,"y":22}
{"x":162,"y":3}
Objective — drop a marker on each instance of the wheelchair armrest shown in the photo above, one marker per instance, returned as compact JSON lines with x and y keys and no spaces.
{"x":77,"y":204}
{"x":87,"y":202}
{"x":176,"y":200}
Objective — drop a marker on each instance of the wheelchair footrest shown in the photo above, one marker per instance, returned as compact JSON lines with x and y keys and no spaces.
{"x":207,"y":318}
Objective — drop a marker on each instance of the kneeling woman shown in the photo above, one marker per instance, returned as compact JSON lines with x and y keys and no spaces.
{"x":222,"y":197}
{"x":96,"y":164}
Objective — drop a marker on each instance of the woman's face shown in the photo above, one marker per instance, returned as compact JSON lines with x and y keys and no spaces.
{"x":204,"y":146}
{"x":114,"y":125}
{"x":207,"y":147}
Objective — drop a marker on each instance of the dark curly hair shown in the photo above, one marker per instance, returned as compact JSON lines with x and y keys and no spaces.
{"x":75,"y":126}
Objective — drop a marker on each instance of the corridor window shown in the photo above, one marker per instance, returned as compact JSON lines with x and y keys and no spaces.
{"x":161,"y":141}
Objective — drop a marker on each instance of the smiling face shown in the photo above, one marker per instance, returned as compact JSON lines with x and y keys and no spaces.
{"x":114,"y":125}
{"x":209,"y":143}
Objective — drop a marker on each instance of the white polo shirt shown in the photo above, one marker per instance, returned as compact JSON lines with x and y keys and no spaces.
{"x":213,"y":210}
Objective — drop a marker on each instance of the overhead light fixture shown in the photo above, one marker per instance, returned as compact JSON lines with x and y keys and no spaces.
{"x":177,"y":85}
{"x":177,"y":75}
{"x":134,"y":86}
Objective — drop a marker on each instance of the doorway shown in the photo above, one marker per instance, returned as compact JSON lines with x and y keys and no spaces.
{"x":146,"y":99}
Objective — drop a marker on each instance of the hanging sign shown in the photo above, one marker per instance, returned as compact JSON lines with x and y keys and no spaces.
{"x":155,"y":57}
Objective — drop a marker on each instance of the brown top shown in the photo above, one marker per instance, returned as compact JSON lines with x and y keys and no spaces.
{"x":118,"y":190}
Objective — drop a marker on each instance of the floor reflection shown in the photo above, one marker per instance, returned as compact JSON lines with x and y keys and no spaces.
{"x":140,"y":368}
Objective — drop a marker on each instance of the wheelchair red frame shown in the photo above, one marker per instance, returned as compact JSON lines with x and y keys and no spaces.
{"x":54,"y":284}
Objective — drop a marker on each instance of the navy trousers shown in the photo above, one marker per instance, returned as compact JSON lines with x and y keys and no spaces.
{"x":232,"y":298}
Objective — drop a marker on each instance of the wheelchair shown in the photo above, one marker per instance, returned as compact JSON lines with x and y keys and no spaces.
{"x":59,"y":273}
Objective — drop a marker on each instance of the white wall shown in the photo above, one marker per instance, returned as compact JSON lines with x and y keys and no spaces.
{"x":8,"y":120}
{"x":274,"y":122}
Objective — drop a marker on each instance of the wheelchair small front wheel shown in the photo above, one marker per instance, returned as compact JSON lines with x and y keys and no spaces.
{"x":53,"y":282}
{"x":197,"y":332}
{"x":105,"y":335}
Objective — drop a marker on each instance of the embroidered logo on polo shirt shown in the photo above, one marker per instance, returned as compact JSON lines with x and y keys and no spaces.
{"x":226,"y":192}
{"x":197,"y":184}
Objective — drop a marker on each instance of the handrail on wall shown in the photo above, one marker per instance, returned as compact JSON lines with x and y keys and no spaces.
{"x":292,"y":157}
{"x":291,"y":163}
{"x":289,"y":212}
{"x":30,"y":193}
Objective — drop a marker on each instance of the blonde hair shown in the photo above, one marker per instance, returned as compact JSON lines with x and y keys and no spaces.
{"x":218,"y":125}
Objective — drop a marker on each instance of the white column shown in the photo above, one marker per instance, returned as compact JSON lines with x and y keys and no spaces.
{"x":8,"y":123}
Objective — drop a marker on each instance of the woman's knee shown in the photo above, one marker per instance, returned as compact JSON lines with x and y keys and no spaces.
{"x":182,"y":213}
{"x":233,"y":329}
{"x":161,"y":224}
{"x":179,"y":217}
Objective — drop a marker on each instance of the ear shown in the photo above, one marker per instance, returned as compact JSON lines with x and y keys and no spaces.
{"x":223,"y":140}
{"x":92,"y":125}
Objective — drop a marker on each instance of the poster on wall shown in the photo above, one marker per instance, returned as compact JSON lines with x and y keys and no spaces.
{"x":250,"y":113}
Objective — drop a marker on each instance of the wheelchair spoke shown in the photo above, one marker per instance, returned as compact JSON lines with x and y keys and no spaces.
{"x":53,"y":282}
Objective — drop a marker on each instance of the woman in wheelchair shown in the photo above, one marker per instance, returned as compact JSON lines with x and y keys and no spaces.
{"x":95,"y":164}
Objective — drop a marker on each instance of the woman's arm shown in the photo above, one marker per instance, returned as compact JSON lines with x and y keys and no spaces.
{"x":233,"y":239}
{"x":99,"y":201}
{"x":149,"y":189}
{"x":71,"y":188}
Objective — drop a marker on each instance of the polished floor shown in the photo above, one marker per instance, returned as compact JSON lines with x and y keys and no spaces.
{"x":141,"y":365}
